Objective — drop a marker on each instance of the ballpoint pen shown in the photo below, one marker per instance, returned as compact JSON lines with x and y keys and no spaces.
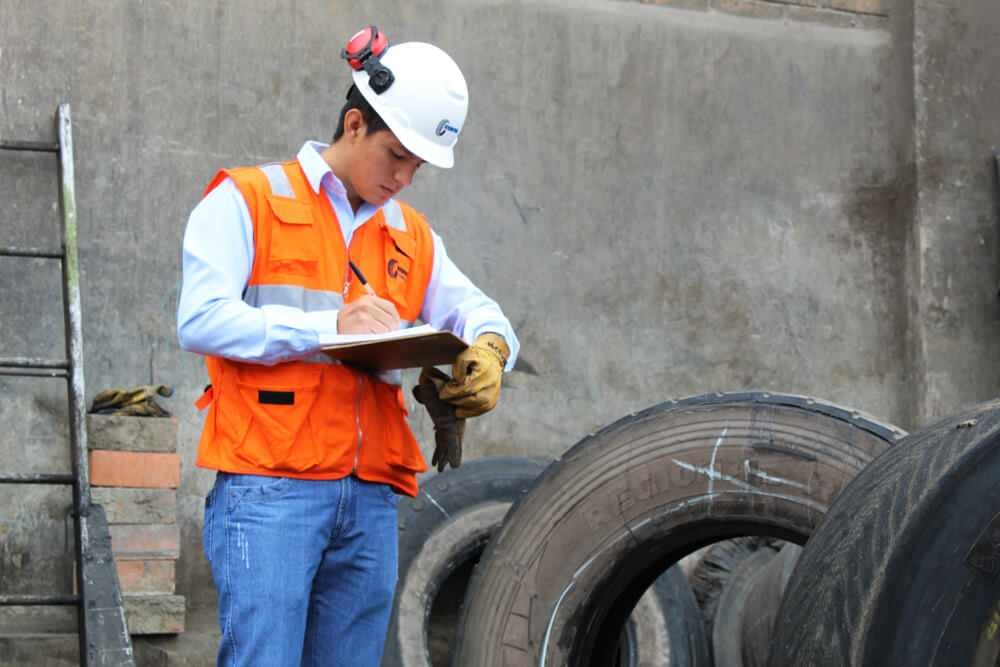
{"x":361,"y":277}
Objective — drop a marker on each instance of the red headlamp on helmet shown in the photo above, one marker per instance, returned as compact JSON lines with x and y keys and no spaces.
{"x":363,"y":52}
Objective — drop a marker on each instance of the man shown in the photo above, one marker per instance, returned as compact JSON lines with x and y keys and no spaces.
{"x":300,"y":526}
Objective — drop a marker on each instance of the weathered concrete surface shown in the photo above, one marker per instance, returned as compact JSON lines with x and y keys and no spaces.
{"x":957,"y":134}
{"x":667,"y":198}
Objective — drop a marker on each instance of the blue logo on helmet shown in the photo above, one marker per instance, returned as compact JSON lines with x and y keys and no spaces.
{"x":445,"y":126}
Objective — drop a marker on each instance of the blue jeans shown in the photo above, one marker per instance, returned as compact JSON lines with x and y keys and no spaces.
{"x":305,"y":570}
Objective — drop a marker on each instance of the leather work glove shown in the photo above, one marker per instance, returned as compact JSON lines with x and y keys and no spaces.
{"x":137,"y":402}
{"x":477,"y":373}
{"x":448,"y":429}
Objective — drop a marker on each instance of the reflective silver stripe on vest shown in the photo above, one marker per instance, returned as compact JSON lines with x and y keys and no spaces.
{"x":392,"y":377}
{"x":309,"y":301}
{"x":394,"y":215}
{"x":278,"y":179}
{"x":294,"y":296}
{"x":321,"y":359}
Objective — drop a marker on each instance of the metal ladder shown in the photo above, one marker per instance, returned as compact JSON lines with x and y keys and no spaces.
{"x":103,"y":632}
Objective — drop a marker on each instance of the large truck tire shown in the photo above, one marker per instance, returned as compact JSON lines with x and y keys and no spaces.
{"x":442,"y":533}
{"x":903,"y":569}
{"x":559,"y":578}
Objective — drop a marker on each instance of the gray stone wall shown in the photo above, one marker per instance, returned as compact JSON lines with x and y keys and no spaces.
{"x":667,"y":198}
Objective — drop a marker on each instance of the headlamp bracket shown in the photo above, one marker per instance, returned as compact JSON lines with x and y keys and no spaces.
{"x":363,"y":52}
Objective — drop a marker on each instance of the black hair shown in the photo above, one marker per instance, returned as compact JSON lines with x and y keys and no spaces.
{"x":355,"y":100}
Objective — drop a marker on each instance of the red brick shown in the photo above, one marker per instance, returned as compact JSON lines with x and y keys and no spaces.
{"x":160,"y":540}
{"x":147,"y":575}
{"x":135,"y":469}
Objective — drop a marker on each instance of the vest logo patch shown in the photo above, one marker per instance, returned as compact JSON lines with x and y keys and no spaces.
{"x":395,"y":270}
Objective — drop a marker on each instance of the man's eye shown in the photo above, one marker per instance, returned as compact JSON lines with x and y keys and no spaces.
{"x":397,"y":155}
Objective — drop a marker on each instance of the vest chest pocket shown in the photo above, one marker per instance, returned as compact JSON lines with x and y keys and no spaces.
{"x":400,"y":248}
{"x":295,"y":243}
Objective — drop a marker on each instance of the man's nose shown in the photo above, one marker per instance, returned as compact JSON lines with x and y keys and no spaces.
{"x":404,"y":175}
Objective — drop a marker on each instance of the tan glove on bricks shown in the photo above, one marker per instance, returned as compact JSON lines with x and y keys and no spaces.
{"x":478,"y":371}
{"x":137,"y":401}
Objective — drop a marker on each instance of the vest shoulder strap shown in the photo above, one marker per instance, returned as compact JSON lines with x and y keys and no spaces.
{"x":250,"y":181}
{"x":415,"y":224}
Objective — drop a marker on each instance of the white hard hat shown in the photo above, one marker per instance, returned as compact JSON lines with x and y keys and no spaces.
{"x":425,"y":101}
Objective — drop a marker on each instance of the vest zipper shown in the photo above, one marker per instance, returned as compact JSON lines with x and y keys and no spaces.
{"x":361,"y":385}
{"x":357,"y":421}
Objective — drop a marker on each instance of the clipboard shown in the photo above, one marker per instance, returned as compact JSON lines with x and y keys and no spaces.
{"x":424,"y":348}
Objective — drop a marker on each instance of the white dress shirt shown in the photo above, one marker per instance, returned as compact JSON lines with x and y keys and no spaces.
{"x":213,"y":319}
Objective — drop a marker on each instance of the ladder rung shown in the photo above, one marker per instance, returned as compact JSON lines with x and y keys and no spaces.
{"x":41,"y":146}
{"x":33,"y":362}
{"x":32,"y":367}
{"x":33,"y":372}
{"x":36,"y":478}
{"x":50,"y":253}
{"x":32,"y":600}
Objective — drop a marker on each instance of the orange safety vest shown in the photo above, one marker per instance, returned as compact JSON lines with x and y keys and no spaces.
{"x":317,"y":419}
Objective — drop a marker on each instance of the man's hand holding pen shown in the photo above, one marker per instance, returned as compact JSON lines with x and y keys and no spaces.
{"x":368,"y":314}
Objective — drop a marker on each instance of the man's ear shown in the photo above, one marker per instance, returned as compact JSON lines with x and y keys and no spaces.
{"x":354,"y":124}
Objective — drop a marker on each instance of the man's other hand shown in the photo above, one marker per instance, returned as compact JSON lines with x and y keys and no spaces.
{"x":477,"y":372}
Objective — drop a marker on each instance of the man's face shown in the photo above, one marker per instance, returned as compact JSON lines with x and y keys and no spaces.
{"x":380,"y":167}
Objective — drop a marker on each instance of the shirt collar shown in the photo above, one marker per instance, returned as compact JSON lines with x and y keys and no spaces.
{"x":318,"y":173}
{"x":317,"y":170}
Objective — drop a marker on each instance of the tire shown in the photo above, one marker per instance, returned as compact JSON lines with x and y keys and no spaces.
{"x":712,"y":570}
{"x":442,"y":533}
{"x":903,"y":569}
{"x":664,"y":629}
{"x":727,"y":628}
{"x":748,"y":606}
{"x":761,"y":605}
{"x":558,"y":579}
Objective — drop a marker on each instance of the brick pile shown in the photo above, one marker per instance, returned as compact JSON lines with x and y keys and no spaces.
{"x":134,"y":475}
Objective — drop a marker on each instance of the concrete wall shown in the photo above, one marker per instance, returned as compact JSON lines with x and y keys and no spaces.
{"x":957,"y":134}
{"x":667,"y":198}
